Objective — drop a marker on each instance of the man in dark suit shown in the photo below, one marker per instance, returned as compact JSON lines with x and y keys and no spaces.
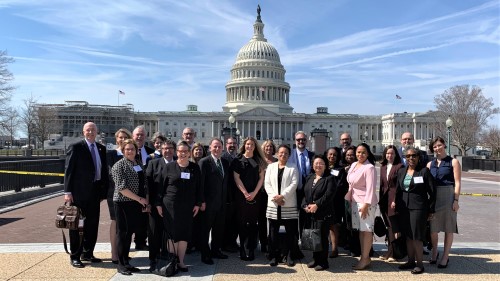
{"x":155,"y":179}
{"x":302,"y":159}
{"x":143,"y":152}
{"x":230,"y":232}
{"x":214,"y":176}
{"x":85,"y":185}
{"x":407,"y":140}
{"x":345,"y":142}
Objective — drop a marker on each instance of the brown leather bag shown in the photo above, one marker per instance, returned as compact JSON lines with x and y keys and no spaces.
{"x":68,"y":216}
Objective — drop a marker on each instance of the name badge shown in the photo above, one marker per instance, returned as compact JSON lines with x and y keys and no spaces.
{"x":137,"y":168}
{"x":335,"y":172}
{"x":418,"y":180}
{"x":185,"y":176}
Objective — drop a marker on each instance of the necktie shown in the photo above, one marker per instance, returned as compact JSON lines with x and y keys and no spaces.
{"x":303,"y":164}
{"x":94,"y":159}
{"x":219,"y":167}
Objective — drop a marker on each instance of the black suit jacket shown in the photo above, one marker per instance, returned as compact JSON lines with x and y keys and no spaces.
{"x":322,"y":195}
{"x":420,"y":196}
{"x":213,"y":184}
{"x":79,"y":172}
{"x":154,"y":178}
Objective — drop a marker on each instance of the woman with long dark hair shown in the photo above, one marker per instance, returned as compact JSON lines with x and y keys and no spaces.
{"x":390,"y":165}
{"x":362,"y":179}
{"x":249,"y":170}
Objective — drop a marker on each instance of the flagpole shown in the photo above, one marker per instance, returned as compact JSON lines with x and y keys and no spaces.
{"x":118,"y":98}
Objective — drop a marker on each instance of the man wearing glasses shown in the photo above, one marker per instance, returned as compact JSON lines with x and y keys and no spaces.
{"x":302,"y":158}
{"x":188,"y":135}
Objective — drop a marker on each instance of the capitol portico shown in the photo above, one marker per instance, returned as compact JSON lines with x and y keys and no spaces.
{"x":258,"y":97}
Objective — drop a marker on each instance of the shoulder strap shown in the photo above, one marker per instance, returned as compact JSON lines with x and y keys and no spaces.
{"x":80,"y":232}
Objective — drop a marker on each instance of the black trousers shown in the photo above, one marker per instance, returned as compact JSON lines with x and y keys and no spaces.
{"x":155,"y":234}
{"x":212,"y":221}
{"x":91,"y":210}
{"x":141,"y":233}
{"x":230,"y":225}
{"x":262,"y":221}
{"x":291,"y":237}
{"x":321,"y":257}
{"x":128,"y":216}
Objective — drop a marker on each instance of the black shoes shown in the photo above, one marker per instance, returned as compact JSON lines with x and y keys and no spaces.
{"x":311,"y":264}
{"x":417,"y":270}
{"x":431,"y":261}
{"x":408,"y":265}
{"x":207,"y":260}
{"x":132,"y":269}
{"x":183,"y":269}
{"x":444,"y":265}
{"x":91,"y":259}
{"x":124,"y":271}
{"x":219,"y":255}
{"x":251,"y":255}
{"x":152,"y":266}
{"x":320,"y":267}
{"x":77,"y":263}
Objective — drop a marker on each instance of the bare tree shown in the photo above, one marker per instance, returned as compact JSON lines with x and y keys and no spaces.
{"x":491,"y":138}
{"x":10,"y":124}
{"x":5,"y":88}
{"x":46,"y":122}
{"x":469,"y":109}
{"x":28,"y":117}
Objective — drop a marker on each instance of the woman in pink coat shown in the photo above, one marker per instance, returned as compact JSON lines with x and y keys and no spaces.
{"x":362,"y":179}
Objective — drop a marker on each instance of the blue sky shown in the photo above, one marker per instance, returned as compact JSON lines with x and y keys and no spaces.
{"x":351,"y":56}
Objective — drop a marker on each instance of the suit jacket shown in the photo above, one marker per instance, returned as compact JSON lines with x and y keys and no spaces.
{"x":293,"y":160}
{"x":289,"y":183}
{"x":322,"y":195}
{"x":154,"y":178}
{"x":387,"y":191}
{"x":213,"y":184}
{"x":420,"y":196}
{"x":79,"y":173}
{"x":149,"y":151}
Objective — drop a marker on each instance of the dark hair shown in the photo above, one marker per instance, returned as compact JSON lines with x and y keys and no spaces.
{"x":170,"y":142}
{"x":436,"y":139}
{"x":417,"y":152}
{"x":320,"y":156}
{"x":287,"y":148}
{"x":371,"y":157}
{"x":345,"y":153}
{"x":204,"y":152}
{"x":338,"y":153}
{"x":397,"y":158}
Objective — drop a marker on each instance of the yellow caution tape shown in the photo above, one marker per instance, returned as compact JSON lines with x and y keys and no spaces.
{"x":480,"y":194}
{"x":32,"y":173}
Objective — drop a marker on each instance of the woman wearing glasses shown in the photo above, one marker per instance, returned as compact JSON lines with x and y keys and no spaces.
{"x":249,"y":169}
{"x":414,"y":205}
{"x":447,"y":175}
{"x":180,"y":201}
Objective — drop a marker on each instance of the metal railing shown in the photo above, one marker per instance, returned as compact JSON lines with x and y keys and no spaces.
{"x":472,"y":163}
{"x":27,"y":173}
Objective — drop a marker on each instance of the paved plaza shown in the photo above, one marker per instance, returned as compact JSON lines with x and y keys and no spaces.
{"x":31,"y":248}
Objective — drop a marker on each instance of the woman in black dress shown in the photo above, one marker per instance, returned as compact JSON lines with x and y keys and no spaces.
{"x":180,"y":201}
{"x":249,"y":170}
{"x":112,"y":156}
{"x":339,"y":175}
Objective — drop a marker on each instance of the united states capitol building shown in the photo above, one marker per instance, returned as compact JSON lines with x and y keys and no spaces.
{"x":258,"y":105}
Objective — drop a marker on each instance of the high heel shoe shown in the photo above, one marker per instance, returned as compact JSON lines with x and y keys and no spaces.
{"x":431,"y":261}
{"x":444,"y":265}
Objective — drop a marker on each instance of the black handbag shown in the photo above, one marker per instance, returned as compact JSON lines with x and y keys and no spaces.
{"x":399,"y":250}
{"x":311,"y":239}
{"x":166,"y":262}
{"x":380,"y":229}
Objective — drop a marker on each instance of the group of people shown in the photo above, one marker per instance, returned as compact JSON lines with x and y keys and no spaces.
{"x":178,"y":196}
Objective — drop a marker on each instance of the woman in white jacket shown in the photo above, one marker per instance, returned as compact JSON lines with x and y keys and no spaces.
{"x":281,"y":184}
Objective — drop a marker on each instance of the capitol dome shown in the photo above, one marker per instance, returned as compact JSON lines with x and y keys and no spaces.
{"x":258,"y":77}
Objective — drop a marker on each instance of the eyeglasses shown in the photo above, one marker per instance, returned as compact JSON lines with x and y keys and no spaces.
{"x":183,"y":151}
{"x":299,"y":140}
{"x":411,"y":156}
